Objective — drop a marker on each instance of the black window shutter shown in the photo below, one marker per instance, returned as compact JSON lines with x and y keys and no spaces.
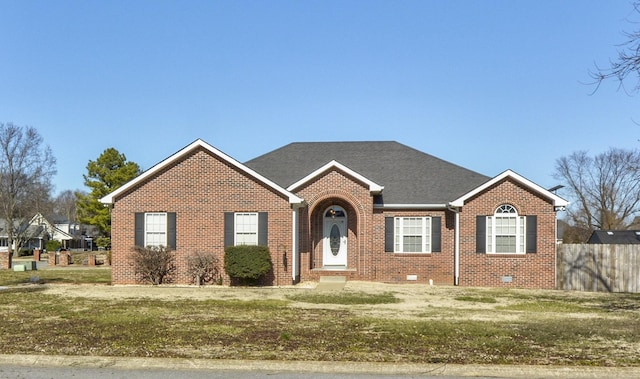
{"x":263,"y":228}
{"x":436,"y":234}
{"x":481,"y":234}
{"x":229,"y":226}
{"x":171,"y":230}
{"x":532,"y":234}
{"x":388,"y":234}
{"x":139,"y":229}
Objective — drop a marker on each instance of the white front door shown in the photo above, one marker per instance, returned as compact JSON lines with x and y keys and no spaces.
{"x":335,"y":237}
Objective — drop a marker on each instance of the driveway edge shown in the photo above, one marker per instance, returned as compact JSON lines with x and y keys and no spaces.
{"x":511,"y":371}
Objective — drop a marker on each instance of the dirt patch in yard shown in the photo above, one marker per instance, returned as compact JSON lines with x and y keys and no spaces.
{"x":416,"y":300}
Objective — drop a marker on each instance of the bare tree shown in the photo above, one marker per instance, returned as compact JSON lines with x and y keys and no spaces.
{"x":628,"y":62}
{"x":65,"y":205}
{"x":203,"y":267}
{"x":605,"y":189}
{"x":26,"y":169}
{"x":153,"y":264}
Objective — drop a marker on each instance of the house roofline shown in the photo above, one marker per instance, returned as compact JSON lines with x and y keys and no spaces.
{"x":199,"y":143}
{"x":558,"y":202}
{"x":411,"y":206}
{"x":374,"y":188}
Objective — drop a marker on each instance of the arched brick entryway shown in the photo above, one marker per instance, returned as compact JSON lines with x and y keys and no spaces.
{"x":318,"y":223}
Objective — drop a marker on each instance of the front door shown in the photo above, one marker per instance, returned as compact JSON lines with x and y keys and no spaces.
{"x":335,"y":238}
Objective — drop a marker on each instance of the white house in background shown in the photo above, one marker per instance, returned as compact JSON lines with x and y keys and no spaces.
{"x":36,"y":233}
{"x":50,"y":231}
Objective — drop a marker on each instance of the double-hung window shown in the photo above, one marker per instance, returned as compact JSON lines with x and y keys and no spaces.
{"x":246,"y":229}
{"x":155,"y":229}
{"x":412,"y":235}
{"x":506,"y":231}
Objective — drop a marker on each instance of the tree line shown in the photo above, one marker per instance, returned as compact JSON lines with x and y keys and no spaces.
{"x":27,"y":166}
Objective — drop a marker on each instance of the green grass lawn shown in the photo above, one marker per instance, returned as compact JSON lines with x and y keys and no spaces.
{"x":483,"y":326}
{"x":75,"y":275}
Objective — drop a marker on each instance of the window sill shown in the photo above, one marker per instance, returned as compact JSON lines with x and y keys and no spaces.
{"x":412,"y":254}
{"x":506,"y":255}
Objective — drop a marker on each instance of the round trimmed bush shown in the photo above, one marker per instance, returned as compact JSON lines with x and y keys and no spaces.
{"x":247,"y":263}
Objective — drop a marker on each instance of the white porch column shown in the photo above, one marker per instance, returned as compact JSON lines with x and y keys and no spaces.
{"x":295,"y":253}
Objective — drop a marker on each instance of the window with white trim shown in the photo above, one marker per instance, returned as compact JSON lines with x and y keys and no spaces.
{"x":246,"y":229}
{"x":412,"y":235}
{"x":155,"y":229}
{"x":506,"y":231}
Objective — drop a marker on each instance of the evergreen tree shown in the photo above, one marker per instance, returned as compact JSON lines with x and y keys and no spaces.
{"x":104,"y":175}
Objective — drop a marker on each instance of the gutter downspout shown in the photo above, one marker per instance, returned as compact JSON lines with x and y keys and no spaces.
{"x":456,"y":246}
{"x":295,"y":251}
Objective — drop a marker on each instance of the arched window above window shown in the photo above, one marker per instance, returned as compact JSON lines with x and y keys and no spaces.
{"x":506,"y":208}
{"x":506,"y":231}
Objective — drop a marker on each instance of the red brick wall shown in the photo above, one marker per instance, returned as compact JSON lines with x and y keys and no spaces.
{"x":435,"y":266}
{"x":200,"y":188}
{"x":335,"y":188}
{"x":535,"y":270}
{"x":367,"y":259}
{"x":5,"y":260}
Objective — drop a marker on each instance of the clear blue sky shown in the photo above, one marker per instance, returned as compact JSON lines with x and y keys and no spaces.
{"x":488,"y":85}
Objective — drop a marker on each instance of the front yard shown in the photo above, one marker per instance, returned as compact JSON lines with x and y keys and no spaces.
{"x":368,"y":322}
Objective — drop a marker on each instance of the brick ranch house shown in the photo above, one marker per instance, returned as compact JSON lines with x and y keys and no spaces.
{"x":374,"y":211}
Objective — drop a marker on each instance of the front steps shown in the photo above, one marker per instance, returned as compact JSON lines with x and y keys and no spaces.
{"x":331,"y":283}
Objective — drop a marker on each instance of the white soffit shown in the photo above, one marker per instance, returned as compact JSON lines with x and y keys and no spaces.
{"x":373,"y":187}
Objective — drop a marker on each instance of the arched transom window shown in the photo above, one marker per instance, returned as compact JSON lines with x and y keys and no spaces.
{"x":506,"y":231}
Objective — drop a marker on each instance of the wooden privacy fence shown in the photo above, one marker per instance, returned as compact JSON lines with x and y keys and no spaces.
{"x":603,"y":268}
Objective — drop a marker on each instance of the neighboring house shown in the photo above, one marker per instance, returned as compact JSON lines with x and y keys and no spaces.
{"x":27,"y":235}
{"x":623,"y":237}
{"x":4,"y":237}
{"x":49,"y":231}
{"x":33,"y":234}
{"x":375,"y":211}
{"x":82,"y":236}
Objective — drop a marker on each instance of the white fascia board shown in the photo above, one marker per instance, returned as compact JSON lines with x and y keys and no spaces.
{"x":411,"y":206}
{"x":557,"y":200}
{"x":373,"y":187}
{"x":293,"y":199}
{"x":62,"y":233}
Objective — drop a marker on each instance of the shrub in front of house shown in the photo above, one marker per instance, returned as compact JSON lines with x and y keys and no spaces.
{"x":24,"y":252}
{"x":103,"y":242}
{"x":52,"y":245}
{"x":153,"y":264}
{"x":247,"y":264}
{"x":203,"y":268}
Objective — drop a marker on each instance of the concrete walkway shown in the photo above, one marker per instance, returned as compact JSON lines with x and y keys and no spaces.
{"x":501,"y":371}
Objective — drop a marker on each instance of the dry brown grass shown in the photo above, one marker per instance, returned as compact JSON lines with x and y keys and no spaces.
{"x":365,"y":322}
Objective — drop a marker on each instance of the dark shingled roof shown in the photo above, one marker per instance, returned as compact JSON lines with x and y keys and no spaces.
{"x":624,"y":237}
{"x":409,"y":176}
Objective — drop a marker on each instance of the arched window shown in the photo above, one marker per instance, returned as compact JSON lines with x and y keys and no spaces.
{"x":506,"y":231}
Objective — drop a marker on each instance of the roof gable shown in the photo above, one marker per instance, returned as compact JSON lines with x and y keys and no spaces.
{"x":409,"y":176}
{"x":197,"y":144}
{"x":373,"y":187}
{"x":555,"y":199}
